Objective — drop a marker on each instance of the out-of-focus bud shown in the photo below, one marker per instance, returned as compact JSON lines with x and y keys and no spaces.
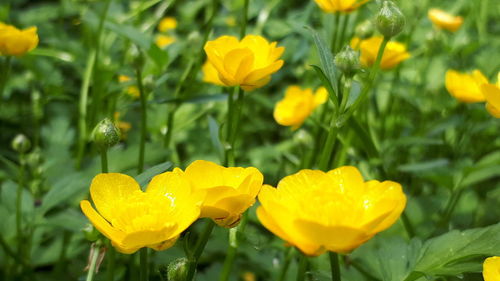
{"x":34,"y":159}
{"x":90,"y":233}
{"x":105,"y":134}
{"x":390,"y":19}
{"x":21,"y":143}
{"x":347,"y":61}
{"x":177,"y":270}
{"x":303,"y":137}
{"x":364,"y":30}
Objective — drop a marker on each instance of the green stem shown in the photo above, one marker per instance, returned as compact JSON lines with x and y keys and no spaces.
{"x":335,"y":266}
{"x":144,"y":272}
{"x":5,"y":74}
{"x":234,"y":233}
{"x":407,"y":225}
{"x":142,"y":146}
{"x":345,"y":20}
{"x":104,"y":161}
{"x":244,"y":21}
{"x":233,"y":119}
{"x":19,"y":200}
{"x":301,"y":272}
{"x":82,"y":108}
{"x":335,"y":32}
{"x":328,"y":147}
{"x":111,"y":263}
{"x":286,"y":264}
{"x":198,"y":249}
{"x":94,"y":255}
{"x":483,"y":20}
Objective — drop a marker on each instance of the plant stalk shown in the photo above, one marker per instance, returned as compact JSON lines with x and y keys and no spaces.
{"x":144,"y":116}
{"x":335,"y":266}
{"x":144,"y":272}
{"x":198,"y":249}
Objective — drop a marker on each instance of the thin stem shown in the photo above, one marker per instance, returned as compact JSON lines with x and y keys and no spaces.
{"x":19,"y":200}
{"x":244,"y":20}
{"x":198,"y":249}
{"x":407,"y":225}
{"x":233,"y":119}
{"x":234,"y":233}
{"x":286,"y":264}
{"x":104,"y":161}
{"x":328,"y":147}
{"x":82,"y":114}
{"x":301,"y":272}
{"x":144,"y":272}
{"x":5,"y":74}
{"x":335,"y":31}
{"x":335,"y":266}
{"x":94,"y":255}
{"x":142,"y":146}
{"x":345,"y":20}
{"x":111,"y":263}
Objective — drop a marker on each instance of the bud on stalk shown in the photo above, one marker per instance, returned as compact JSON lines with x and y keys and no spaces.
{"x":390,"y":20}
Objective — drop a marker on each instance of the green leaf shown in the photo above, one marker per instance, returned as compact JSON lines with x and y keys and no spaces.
{"x":326,"y":59}
{"x":60,"y":55}
{"x":424,"y":166}
{"x":147,"y":175}
{"x":214,"y":129}
{"x":327,"y":85}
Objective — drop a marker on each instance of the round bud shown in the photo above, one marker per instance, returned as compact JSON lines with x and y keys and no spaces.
{"x":364,"y":30}
{"x":90,"y":233}
{"x":347,"y":61}
{"x":390,"y":19}
{"x":177,"y":270}
{"x":303,"y":137}
{"x":21,"y":143}
{"x":105,"y":134}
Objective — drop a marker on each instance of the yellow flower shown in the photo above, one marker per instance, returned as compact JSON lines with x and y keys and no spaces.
{"x":297,"y":105}
{"x":394,"y":52}
{"x":491,"y":269}
{"x":465,"y":87}
{"x":123,"y":126}
{"x":492,"y":94}
{"x":335,"y":211}
{"x":343,"y":6}
{"x":163,"y":41}
{"x":133,"y":219}
{"x":248,"y":63}
{"x":132,"y":90}
{"x":230,"y":21}
{"x":210,"y":74}
{"x":445,"y":20}
{"x":228,"y":192}
{"x":15,"y":42}
{"x":167,"y":24}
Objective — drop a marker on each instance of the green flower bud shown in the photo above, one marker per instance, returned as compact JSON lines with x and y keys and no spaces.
{"x":303,"y":137}
{"x":390,"y":19}
{"x":177,"y":270}
{"x":347,"y":61}
{"x":364,"y":30}
{"x":90,"y":233}
{"x":21,"y":143}
{"x":105,"y":134}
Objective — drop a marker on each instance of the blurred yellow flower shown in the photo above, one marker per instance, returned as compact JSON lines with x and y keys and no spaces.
{"x":492,"y":94}
{"x":248,"y":63}
{"x":230,"y":21}
{"x":335,"y":211}
{"x":491,"y":269}
{"x":210,"y":74}
{"x":167,"y":24}
{"x":228,"y":192}
{"x":124,"y":127}
{"x":297,"y":105}
{"x":133,"y":219}
{"x":465,"y":87}
{"x":344,"y":6}
{"x":394,"y":52}
{"x":15,"y":42}
{"x":132,"y":90}
{"x":163,"y":41}
{"x":445,"y":20}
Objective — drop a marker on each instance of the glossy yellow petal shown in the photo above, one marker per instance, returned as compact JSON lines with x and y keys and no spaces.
{"x":108,"y":190}
{"x":320,"y":96}
{"x":167,"y":23}
{"x":164,"y":245}
{"x":445,"y":20}
{"x":297,"y":105}
{"x":465,"y":87}
{"x":492,"y":95}
{"x":163,"y":41}
{"x":210,"y":74}
{"x":491,"y":269}
{"x":394,"y":53}
{"x":15,"y":42}
{"x":343,"y":6}
{"x":100,"y":223}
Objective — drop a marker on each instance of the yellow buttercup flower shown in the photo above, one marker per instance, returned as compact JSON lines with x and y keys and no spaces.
{"x":465,"y":87}
{"x":167,"y":24}
{"x":344,"y":6}
{"x":124,"y":127}
{"x":228,"y":192}
{"x":210,"y":74}
{"x":394,"y":52}
{"x":15,"y":42}
{"x":492,"y":94}
{"x":248,"y":63}
{"x":163,"y":41}
{"x":297,"y":105}
{"x":133,"y":219}
{"x":445,"y":20}
{"x":334,"y":211}
{"x":491,"y":269}
{"x":132,"y":90}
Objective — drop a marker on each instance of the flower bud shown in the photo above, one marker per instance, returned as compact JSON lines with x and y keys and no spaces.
{"x":177,"y":270}
{"x":364,"y":30}
{"x":347,"y":61}
{"x":390,"y":19}
{"x":90,"y":233}
{"x":105,"y":134}
{"x":21,"y":143}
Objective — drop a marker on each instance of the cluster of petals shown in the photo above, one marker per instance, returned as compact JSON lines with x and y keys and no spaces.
{"x":165,"y":26}
{"x":248,"y":63}
{"x":297,"y":105}
{"x":16,"y":42}
{"x":491,"y":269}
{"x":342,"y":6}
{"x":394,"y":52}
{"x":492,"y":94}
{"x":133,"y":219}
{"x":466,"y":87}
{"x":336,"y":211}
{"x":445,"y":20}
